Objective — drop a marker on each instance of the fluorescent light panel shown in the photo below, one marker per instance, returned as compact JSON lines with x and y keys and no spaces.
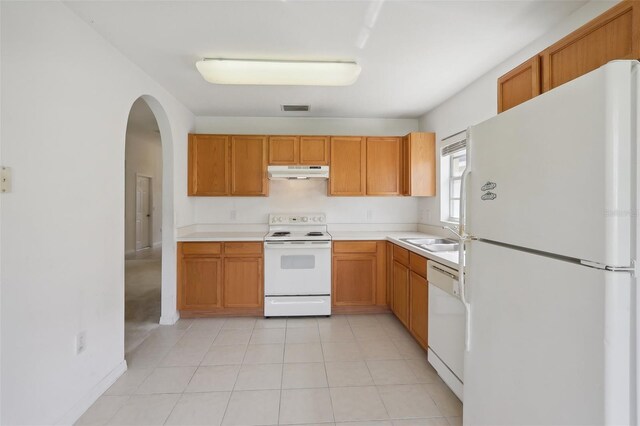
{"x":282,"y":73}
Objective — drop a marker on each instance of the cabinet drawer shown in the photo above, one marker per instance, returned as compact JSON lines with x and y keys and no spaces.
{"x":418,"y":264}
{"x":201,"y":248}
{"x":401,"y":255}
{"x":355,"y":247}
{"x":243,"y":248}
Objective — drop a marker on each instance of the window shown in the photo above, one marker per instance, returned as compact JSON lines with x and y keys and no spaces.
{"x":453,"y":161}
{"x":457,"y":164}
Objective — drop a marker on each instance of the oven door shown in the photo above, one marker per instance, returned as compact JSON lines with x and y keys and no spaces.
{"x":297,"y":268}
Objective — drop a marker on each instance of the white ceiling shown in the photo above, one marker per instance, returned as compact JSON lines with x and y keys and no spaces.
{"x":417,"y":53}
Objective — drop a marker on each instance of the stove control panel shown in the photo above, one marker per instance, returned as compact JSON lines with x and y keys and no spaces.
{"x":292,"y":219}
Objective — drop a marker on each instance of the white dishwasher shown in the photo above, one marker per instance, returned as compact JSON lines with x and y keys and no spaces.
{"x":446,"y":326}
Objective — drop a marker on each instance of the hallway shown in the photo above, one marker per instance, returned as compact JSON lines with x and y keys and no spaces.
{"x":143,"y":282}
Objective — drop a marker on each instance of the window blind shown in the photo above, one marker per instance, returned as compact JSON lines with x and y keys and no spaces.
{"x":458,"y":143}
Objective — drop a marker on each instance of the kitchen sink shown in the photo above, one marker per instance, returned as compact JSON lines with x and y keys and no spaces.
{"x":433,"y":244}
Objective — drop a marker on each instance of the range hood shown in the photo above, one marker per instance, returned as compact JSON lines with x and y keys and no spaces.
{"x":298,"y":172}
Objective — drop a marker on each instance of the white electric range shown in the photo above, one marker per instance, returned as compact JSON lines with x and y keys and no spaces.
{"x":297,"y":266}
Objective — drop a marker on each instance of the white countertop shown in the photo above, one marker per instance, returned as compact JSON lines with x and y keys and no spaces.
{"x":449,"y":259}
{"x":223,"y":236}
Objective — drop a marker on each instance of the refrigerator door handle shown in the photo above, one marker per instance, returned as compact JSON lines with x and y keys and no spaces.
{"x":464,"y":237}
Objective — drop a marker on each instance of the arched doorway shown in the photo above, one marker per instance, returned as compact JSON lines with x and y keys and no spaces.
{"x":143,"y":224}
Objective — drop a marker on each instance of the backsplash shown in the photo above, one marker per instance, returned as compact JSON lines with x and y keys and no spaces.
{"x":306,"y":197}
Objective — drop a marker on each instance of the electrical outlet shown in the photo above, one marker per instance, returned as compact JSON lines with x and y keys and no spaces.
{"x":232,"y":214}
{"x":81,"y":342}
{"x":5,"y":179}
{"x":369,"y":215}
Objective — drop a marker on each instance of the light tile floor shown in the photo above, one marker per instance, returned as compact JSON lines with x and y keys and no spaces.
{"x":344,"y":370}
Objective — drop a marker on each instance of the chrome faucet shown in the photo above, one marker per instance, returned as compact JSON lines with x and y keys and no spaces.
{"x":455,"y":230}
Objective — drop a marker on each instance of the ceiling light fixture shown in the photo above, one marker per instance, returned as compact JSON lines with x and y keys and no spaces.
{"x":283,"y":73}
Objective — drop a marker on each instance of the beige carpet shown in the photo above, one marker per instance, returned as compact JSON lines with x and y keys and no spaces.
{"x":142,"y":296}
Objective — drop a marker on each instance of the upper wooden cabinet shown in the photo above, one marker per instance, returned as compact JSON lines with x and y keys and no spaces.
{"x":292,"y":150}
{"x":284,"y":150}
{"x":223,"y":165}
{"x":249,"y":165}
{"x":519,"y":85}
{"x":208,"y":165}
{"x":419,"y":164}
{"x":613,"y":35}
{"x":347,"y":174}
{"x":236,"y":165}
{"x":384,"y":159}
{"x":314,"y":150}
{"x":383,"y":165}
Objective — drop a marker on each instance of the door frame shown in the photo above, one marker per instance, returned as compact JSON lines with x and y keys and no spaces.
{"x":135,"y":211}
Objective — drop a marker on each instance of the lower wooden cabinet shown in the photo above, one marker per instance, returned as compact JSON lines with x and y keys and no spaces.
{"x":400,"y":290}
{"x":419,"y":299}
{"x":410,"y":292}
{"x":220,"y":278}
{"x":359,"y":276}
{"x":243,"y":282}
{"x":201,"y":283}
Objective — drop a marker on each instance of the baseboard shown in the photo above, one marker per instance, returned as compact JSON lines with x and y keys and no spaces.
{"x":224,"y":312}
{"x":170,"y":319}
{"x":364,"y":309}
{"x":157,"y":244}
{"x":87,"y":401}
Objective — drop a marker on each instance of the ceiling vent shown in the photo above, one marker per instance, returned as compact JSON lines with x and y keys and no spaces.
{"x":295,"y":108}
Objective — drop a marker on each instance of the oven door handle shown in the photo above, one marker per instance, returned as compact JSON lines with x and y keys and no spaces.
{"x":297,"y":245}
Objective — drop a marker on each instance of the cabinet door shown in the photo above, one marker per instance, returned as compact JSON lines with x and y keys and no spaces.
{"x":283,"y":150}
{"x":612,"y":35}
{"x":314,"y":150}
{"x":419,"y":164}
{"x":383,"y":165}
{"x":348,"y":169}
{"x":519,"y":85}
{"x":400,"y":305}
{"x":208,"y":165}
{"x":249,"y":165}
{"x":201,"y":283}
{"x":418,"y":309}
{"x":243,"y":282}
{"x":354,"y":280}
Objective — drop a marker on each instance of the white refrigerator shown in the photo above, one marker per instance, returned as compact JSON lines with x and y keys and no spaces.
{"x":550,"y":215}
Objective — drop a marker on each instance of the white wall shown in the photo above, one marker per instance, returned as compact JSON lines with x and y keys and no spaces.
{"x":306,"y":196}
{"x":479,"y":101}
{"x":307,"y":126}
{"x":143,"y":155}
{"x":66,"y":96}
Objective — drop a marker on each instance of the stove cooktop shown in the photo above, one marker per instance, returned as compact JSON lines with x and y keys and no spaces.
{"x":297,"y":236}
{"x":297,"y":227}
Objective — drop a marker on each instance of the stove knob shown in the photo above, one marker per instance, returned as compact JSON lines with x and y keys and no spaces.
{"x":304,"y":219}
{"x":321,"y":219}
